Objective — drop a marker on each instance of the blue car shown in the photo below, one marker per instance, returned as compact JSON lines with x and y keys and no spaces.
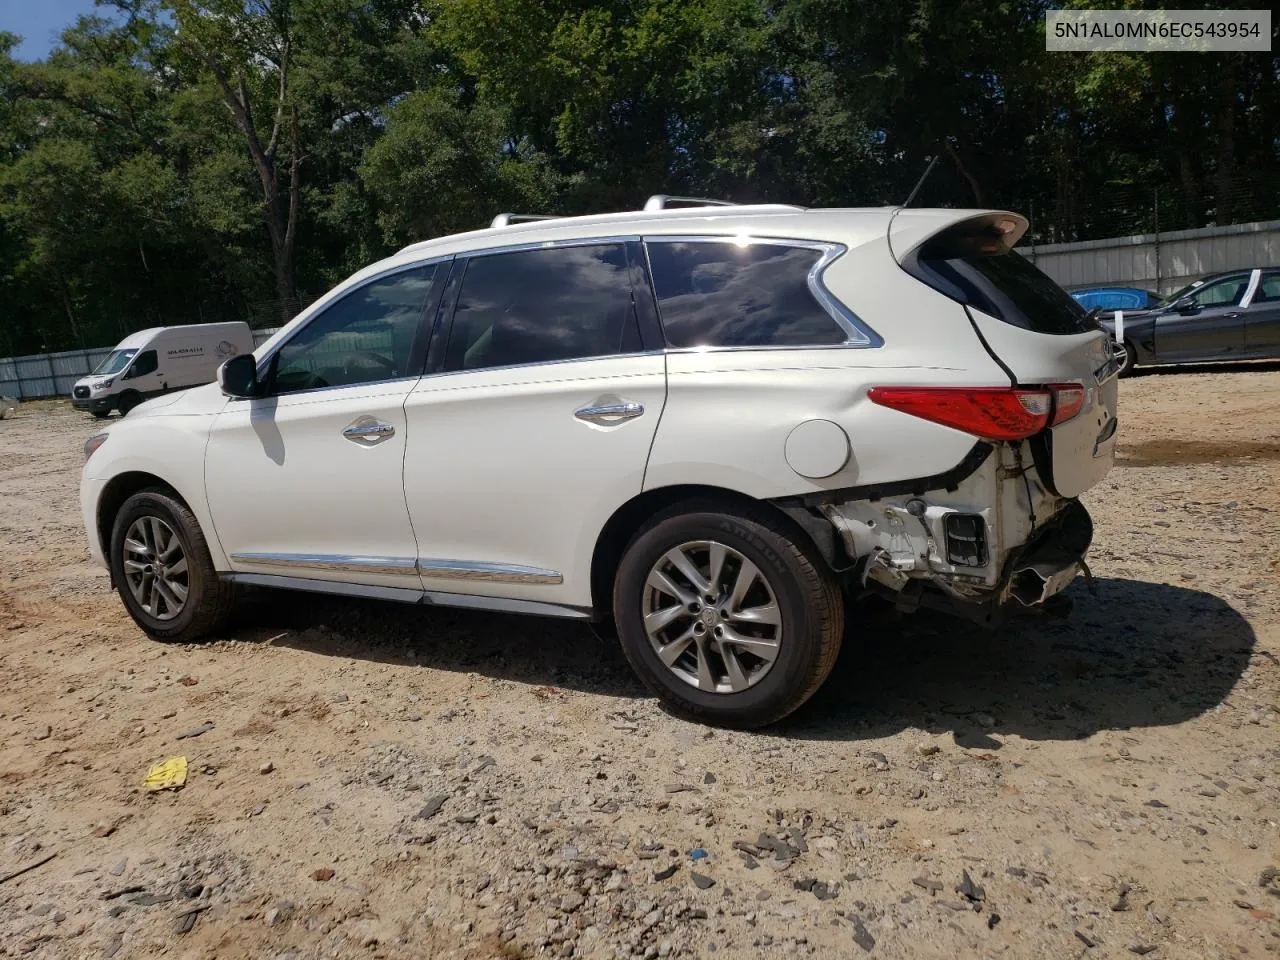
{"x":1116,"y":298}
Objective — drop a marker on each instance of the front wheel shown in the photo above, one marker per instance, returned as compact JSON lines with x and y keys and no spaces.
{"x":128,"y":400}
{"x":162,"y":569}
{"x":1130,"y":359}
{"x":728,"y":616}
{"x":101,"y":414}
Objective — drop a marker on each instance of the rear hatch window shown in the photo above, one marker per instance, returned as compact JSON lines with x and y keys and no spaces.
{"x":973,"y":263}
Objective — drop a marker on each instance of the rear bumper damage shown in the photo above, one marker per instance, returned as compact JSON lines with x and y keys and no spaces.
{"x":994,"y":540}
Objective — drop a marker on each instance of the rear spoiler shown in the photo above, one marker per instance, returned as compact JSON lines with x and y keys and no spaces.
{"x":943,"y":234}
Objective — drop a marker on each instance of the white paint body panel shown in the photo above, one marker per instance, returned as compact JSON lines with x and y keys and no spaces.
{"x":282,"y":479}
{"x":500,"y":470}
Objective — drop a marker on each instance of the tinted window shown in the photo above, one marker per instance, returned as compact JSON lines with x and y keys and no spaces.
{"x":1268,"y":289}
{"x":731,"y":295}
{"x":1004,"y":285}
{"x":535,"y":306}
{"x":146,"y":363}
{"x":368,"y":335}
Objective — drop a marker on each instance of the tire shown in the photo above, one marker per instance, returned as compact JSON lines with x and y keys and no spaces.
{"x":209,"y":600}
{"x":101,"y":414}
{"x":128,"y":400}
{"x":1130,"y":359}
{"x":793,"y":584}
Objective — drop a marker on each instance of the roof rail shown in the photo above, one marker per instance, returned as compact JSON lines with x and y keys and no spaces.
{"x":660,"y":201}
{"x":502,"y":219}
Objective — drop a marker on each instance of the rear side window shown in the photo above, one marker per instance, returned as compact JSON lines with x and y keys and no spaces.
{"x":975,"y":267}
{"x":725,"y":294}
{"x":537,"y":306}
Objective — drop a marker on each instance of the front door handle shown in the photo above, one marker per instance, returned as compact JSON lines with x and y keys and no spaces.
{"x":369,"y":432}
{"x":610,"y":413}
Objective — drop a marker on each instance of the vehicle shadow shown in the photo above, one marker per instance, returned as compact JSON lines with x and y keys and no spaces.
{"x":1135,"y":655}
{"x":1227,"y":366}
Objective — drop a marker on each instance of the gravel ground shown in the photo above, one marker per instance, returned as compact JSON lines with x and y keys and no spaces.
{"x":386,"y":781}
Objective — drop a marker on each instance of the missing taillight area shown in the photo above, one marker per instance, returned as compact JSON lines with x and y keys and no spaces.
{"x":992,"y":413}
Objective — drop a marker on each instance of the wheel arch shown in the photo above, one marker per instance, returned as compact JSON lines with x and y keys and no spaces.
{"x":809,"y":529}
{"x":119,"y":489}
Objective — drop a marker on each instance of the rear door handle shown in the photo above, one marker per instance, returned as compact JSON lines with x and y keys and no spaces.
{"x":609,"y":413}
{"x":368,"y":432}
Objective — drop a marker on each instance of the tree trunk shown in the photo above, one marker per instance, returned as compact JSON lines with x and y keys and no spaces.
{"x":1224,"y":174}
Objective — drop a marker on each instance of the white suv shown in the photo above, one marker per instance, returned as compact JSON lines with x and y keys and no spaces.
{"x":715,"y":425}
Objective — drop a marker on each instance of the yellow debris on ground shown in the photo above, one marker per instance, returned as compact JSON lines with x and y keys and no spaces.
{"x":171,"y":773}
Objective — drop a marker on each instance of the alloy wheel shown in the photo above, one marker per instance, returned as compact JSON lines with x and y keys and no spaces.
{"x":712,"y":617}
{"x":155,"y":568}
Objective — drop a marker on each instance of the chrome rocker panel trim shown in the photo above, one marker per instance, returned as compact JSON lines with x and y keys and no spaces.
{"x":412,"y":595}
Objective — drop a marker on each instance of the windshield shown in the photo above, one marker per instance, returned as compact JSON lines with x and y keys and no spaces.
{"x":1189,"y":288}
{"x":116,"y":361}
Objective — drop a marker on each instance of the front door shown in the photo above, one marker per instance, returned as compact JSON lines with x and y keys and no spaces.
{"x":307,"y":480}
{"x":1209,"y":327}
{"x":536,"y":424}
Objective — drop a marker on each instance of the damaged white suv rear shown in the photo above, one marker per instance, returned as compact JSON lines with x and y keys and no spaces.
{"x":716,"y":426}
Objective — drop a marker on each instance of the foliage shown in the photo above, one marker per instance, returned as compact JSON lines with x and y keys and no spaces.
{"x":190,"y":160}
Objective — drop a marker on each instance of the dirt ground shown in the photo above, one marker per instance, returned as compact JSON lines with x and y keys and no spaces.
{"x":393,"y":781}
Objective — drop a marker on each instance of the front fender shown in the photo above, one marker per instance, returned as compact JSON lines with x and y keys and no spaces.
{"x":169,"y":448}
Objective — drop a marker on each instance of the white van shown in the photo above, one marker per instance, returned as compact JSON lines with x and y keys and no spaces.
{"x":151,"y":362}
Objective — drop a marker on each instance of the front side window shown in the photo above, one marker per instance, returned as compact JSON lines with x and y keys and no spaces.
{"x":538,"y":306}
{"x":726,"y":294}
{"x":371,"y":334}
{"x":146,"y":363}
{"x":1221,"y":293}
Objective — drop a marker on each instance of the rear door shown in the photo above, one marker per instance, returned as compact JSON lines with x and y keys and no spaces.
{"x":1262,"y":318}
{"x":1209,"y":326}
{"x":1038,"y":333}
{"x":534,"y":423}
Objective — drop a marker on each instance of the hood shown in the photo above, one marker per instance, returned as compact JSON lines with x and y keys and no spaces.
{"x":205,"y":399}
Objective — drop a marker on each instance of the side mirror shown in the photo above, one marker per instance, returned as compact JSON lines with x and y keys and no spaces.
{"x":238,"y":377}
{"x":1184,"y":305}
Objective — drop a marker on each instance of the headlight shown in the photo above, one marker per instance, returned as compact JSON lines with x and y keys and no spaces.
{"x":93,"y":443}
{"x":103,"y":384}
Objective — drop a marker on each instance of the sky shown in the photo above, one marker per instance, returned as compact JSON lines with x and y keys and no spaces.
{"x":39,"y":22}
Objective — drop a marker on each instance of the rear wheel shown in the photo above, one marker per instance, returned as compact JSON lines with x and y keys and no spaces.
{"x":727,"y":616}
{"x":162,"y":569}
{"x":128,"y":400}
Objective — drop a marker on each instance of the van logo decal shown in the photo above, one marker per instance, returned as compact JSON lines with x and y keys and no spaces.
{"x":226,"y":349}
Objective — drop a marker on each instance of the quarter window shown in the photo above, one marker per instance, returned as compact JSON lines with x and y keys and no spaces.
{"x":713,"y":294}
{"x":537,"y":306}
{"x":373,"y":333}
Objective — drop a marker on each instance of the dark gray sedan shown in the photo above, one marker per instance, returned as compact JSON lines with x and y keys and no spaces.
{"x":1226,"y":316}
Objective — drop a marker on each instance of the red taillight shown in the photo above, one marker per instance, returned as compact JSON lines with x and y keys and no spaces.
{"x":1068,"y":401}
{"x":992,"y":413}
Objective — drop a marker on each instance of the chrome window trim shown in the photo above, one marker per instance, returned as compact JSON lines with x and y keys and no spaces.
{"x":350,"y":563}
{"x":550,"y":363}
{"x":493,"y":572}
{"x":858,"y":335}
{"x":323,"y":305}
